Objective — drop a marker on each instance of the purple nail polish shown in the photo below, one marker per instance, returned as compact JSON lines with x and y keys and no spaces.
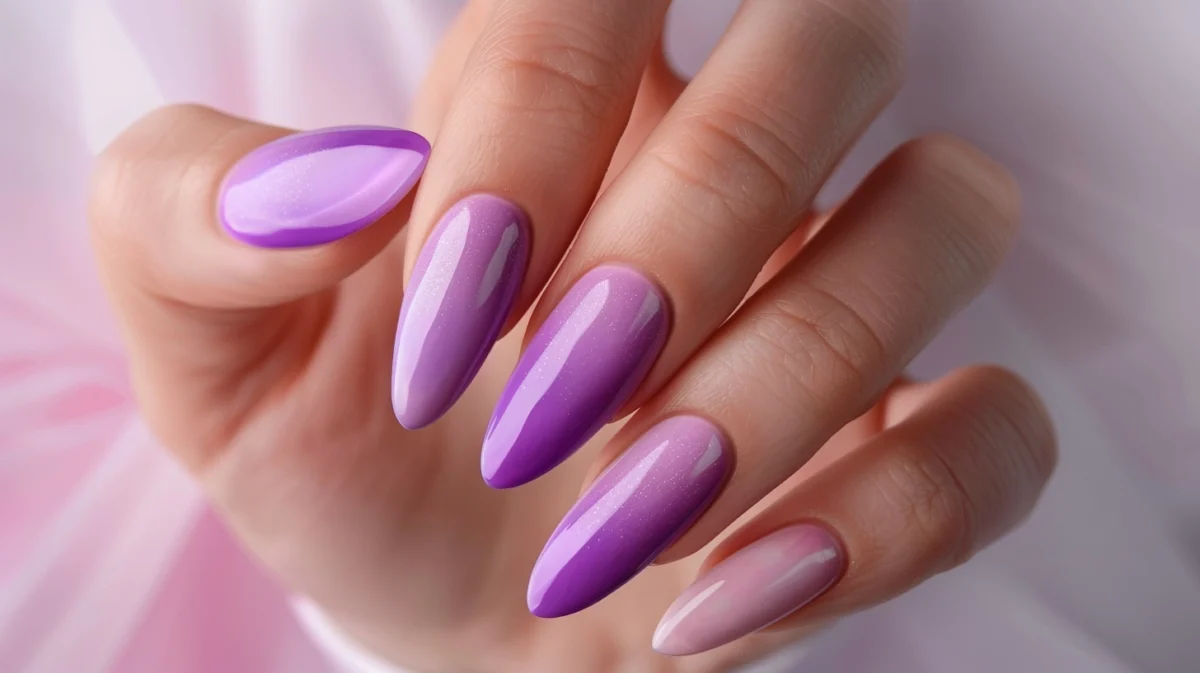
{"x":316,"y":187}
{"x":582,"y":365}
{"x":755,"y":587}
{"x":644,"y":501}
{"x":456,"y":302}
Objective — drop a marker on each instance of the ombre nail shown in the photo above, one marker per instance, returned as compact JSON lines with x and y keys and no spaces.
{"x":642,"y":503}
{"x":316,"y":187}
{"x":752,"y":589}
{"x":582,"y":365}
{"x":460,"y":294}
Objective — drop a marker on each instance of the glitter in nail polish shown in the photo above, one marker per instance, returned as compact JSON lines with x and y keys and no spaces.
{"x":315,"y":187}
{"x":559,"y":396}
{"x":642,"y":503}
{"x":461,"y":292}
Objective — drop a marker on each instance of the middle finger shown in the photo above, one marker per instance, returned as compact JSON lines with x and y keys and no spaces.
{"x":686,"y":228}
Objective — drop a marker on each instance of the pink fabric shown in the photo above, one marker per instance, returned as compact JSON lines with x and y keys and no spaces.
{"x":110,"y":562}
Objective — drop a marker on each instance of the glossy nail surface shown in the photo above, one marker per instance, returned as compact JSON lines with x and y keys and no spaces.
{"x":752,"y":589}
{"x":316,"y":187}
{"x":460,"y":294}
{"x":644,"y":501}
{"x":582,"y":365}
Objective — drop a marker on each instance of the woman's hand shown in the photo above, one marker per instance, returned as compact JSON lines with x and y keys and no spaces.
{"x":759,"y":345}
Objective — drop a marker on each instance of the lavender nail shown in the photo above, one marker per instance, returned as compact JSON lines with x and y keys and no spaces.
{"x":456,"y":302}
{"x":583,"y":364}
{"x":752,"y":589}
{"x":316,"y":187}
{"x":636,"y":508}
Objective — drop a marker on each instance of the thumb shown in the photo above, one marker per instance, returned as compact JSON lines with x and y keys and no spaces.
{"x":219,"y":240}
{"x":184,"y":202}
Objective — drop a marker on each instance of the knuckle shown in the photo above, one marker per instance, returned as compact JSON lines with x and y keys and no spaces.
{"x":870,"y":36}
{"x":111,"y":184}
{"x":986,"y":185}
{"x":959,"y":486}
{"x":735,"y":171}
{"x":1023,"y":430}
{"x":793,"y":373}
{"x":123,"y":176}
{"x":927,"y":495}
{"x":551,"y":71}
{"x":977,"y":200}
{"x":162,"y":158}
{"x":176,"y":115}
{"x":695,"y":187}
{"x":759,"y":152}
{"x":822,"y":347}
{"x":141,"y":153}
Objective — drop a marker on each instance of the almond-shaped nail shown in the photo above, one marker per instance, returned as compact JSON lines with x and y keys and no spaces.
{"x":460,"y":294}
{"x":316,"y":187}
{"x":581,"y":366}
{"x":757,"y":586}
{"x":644,"y":501}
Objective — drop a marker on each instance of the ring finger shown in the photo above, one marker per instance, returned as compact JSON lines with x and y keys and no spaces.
{"x":539,"y":109}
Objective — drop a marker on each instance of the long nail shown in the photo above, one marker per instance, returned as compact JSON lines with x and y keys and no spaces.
{"x":460,"y":294}
{"x":582,"y":365}
{"x":752,"y":589}
{"x":316,"y":187}
{"x":638,"y":506}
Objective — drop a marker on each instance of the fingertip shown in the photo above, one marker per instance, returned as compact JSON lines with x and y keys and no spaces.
{"x":183,"y":202}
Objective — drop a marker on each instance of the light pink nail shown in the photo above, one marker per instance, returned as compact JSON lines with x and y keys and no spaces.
{"x":752,"y":589}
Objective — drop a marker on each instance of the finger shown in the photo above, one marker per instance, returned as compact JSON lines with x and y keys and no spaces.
{"x":920,"y":498}
{"x":816,"y":346}
{"x":684,"y":230}
{"x":541,"y":105}
{"x":807,"y":354}
{"x":174,"y":193}
{"x":809,"y":225}
{"x":659,"y":90}
{"x":165,"y":187}
{"x":441,"y":79}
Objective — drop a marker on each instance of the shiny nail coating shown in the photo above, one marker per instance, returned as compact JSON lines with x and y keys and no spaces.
{"x":460,"y":294}
{"x":316,"y":187}
{"x":752,"y":589}
{"x":582,"y":365}
{"x":644,"y":501}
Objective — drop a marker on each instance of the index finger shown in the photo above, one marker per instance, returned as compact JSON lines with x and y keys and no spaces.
{"x":541,"y":105}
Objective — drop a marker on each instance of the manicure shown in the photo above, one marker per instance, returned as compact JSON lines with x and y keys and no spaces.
{"x":752,"y":589}
{"x":582,"y":365}
{"x":316,"y":187}
{"x":460,"y":294}
{"x":641,"y":504}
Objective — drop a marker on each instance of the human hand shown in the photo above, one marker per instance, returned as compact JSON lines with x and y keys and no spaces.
{"x":776,"y":337}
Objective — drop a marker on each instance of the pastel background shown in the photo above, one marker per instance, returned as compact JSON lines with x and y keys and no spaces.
{"x":110,"y":561}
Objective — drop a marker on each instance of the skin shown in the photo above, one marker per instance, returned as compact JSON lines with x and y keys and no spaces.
{"x":266,"y":372}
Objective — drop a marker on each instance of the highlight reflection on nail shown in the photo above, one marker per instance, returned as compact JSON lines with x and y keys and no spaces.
{"x":755,"y":587}
{"x":644,"y":501}
{"x":581,"y":366}
{"x":460,"y":294}
{"x":316,"y":187}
